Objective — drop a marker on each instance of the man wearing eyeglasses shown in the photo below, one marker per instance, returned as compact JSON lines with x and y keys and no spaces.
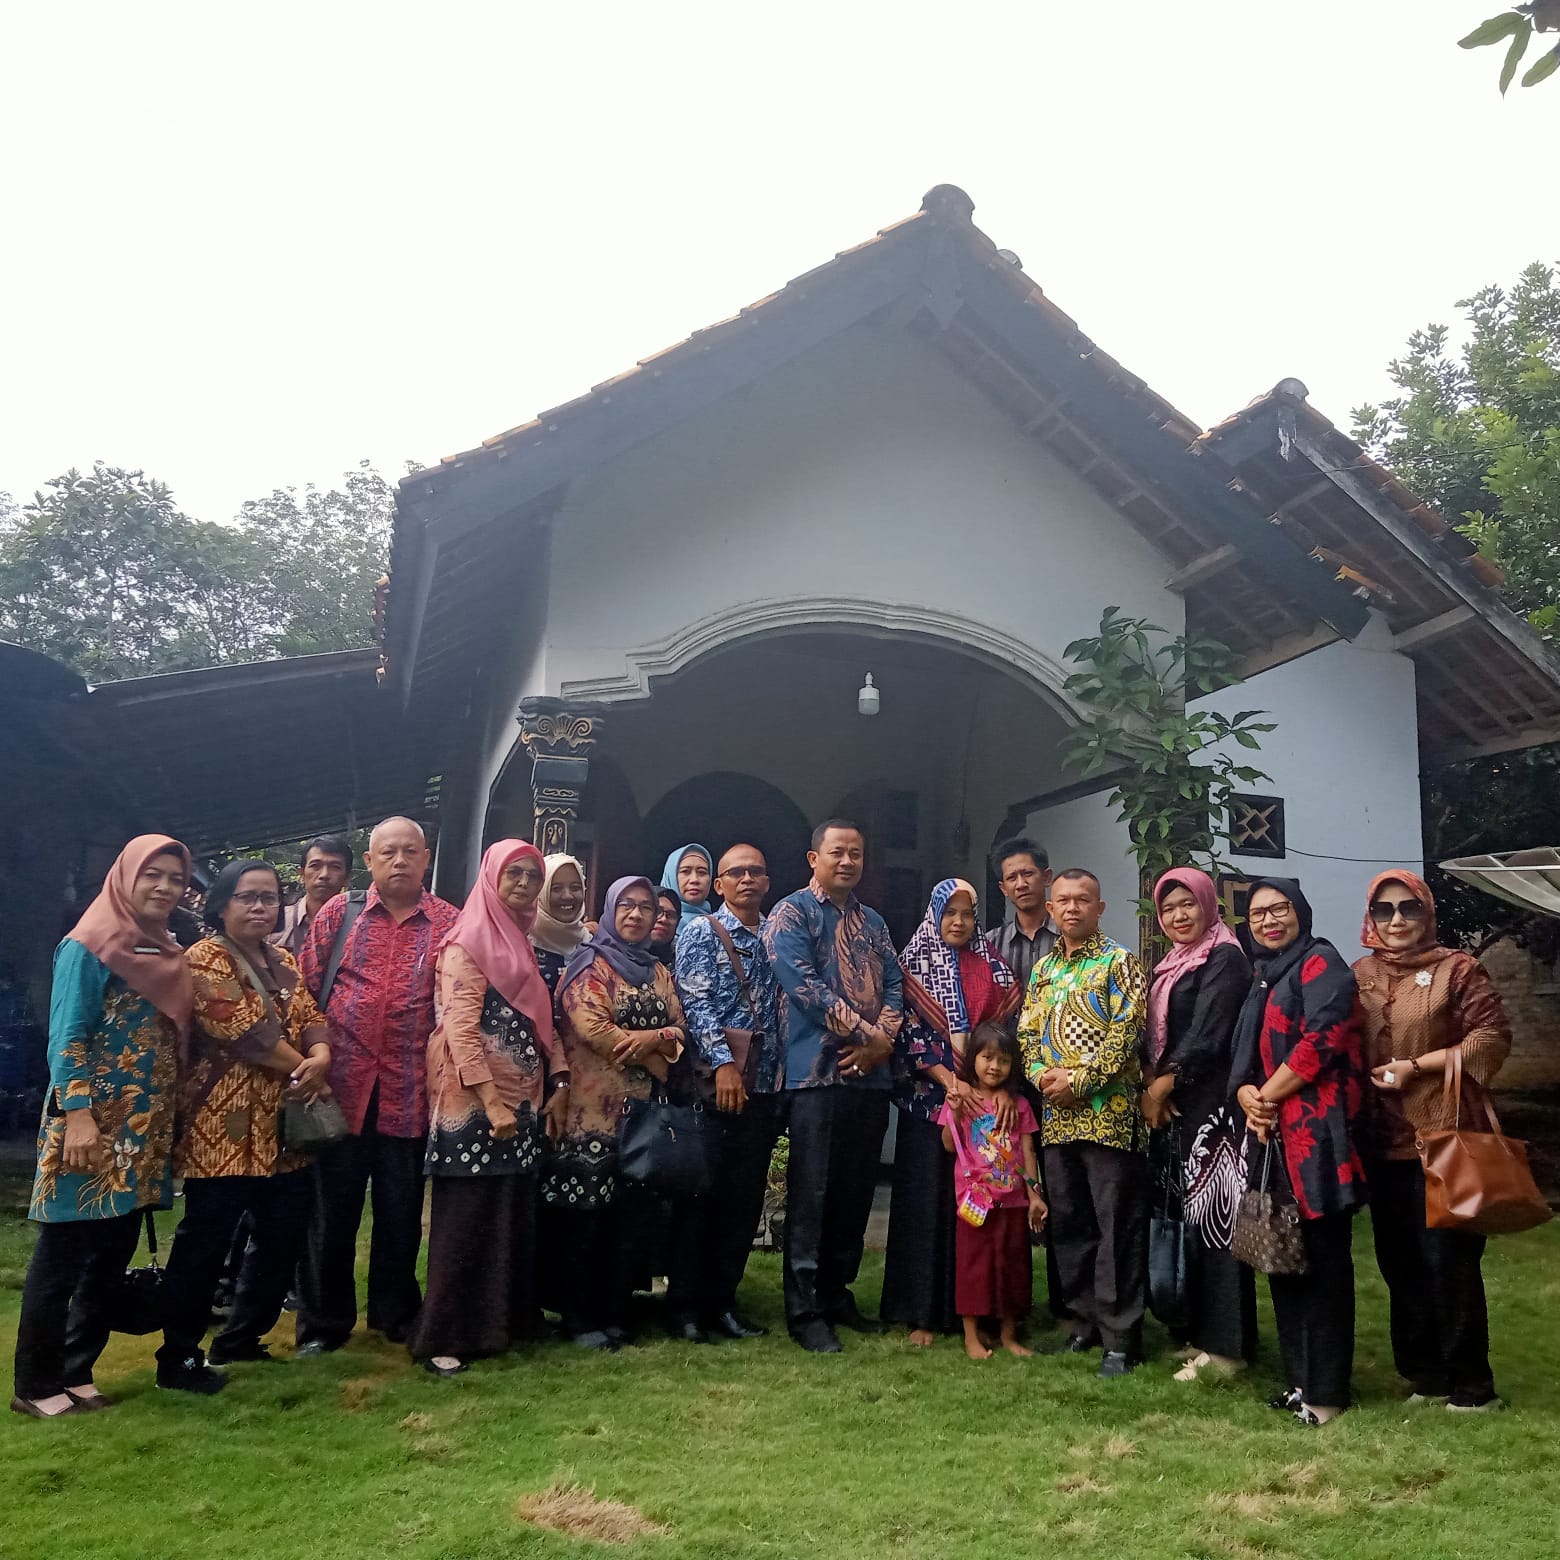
{"x":380,"y":1010}
{"x":728,"y":1012}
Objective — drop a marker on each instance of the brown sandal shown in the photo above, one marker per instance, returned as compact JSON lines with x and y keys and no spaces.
{"x":21,"y":1405}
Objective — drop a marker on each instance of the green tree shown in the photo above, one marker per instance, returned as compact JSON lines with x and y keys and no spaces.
{"x":1175,"y":765}
{"x":103,"y":572}
{"x":1476,"y":430}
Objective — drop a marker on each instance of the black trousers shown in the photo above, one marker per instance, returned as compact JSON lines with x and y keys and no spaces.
{"x":327,"y":1301}
{"x":1315,"y":1313}
{"x":1099,"y":1231}
{"x":64,"y":1325}
{"x":604,"y":1255}
{"x":836,"y":1143}
{"x":1440,"y":1323}
{"x":278,"y":1207}
{"x":730,"y":1211}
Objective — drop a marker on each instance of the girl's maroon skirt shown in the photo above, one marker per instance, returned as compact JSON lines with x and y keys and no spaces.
{"x":992,"y":1274}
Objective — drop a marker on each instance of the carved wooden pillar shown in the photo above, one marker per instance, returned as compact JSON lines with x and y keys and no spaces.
{"x":559,"y":737}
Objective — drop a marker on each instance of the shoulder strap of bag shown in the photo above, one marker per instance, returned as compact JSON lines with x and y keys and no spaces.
{"x":247,"y":972}
{"x":736,"y":965}
{"x":356,"y":900}
{"x":151,"y":1236}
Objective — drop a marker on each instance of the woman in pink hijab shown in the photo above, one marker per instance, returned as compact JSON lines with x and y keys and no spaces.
{"x":495,"y":1086}
{"x":1194,"y":1147}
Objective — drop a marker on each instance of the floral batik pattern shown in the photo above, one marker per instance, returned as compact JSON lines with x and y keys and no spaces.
{"x":601,"y":1008}
{"x":112,"y":1052}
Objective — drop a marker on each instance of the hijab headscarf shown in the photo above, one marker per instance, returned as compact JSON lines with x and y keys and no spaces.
{"x":632,"y":960}
{"x":1270,"y":969}
{"x":1428,"y":949}
{"x":1182,"y":958}
{"x":934,"y":982}
{"x":669,"y":876}
{"x":498,"y":941}
{"x":146,"y":958}
{"x":547,"y":931}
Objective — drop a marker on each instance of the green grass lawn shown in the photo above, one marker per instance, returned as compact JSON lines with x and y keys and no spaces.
{"x":758,"y":1449}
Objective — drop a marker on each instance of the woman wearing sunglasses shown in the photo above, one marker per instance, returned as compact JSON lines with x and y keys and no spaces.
{"x":1422,"y":1000}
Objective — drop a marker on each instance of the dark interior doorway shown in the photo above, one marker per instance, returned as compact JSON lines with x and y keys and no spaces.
{"x":723,"y":808}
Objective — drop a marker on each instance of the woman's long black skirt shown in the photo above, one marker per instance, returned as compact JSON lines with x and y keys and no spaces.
{"x":918,"y":1270}
{"x":481,"y":1290}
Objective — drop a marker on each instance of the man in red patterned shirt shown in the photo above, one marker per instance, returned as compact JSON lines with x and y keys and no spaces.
{"x":380,"y":1010}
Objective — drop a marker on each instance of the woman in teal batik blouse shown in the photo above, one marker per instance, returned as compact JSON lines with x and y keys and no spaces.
{"x":119,"y":1014}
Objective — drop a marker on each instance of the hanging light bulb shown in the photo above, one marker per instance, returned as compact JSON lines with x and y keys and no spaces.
{"x":868,"y":699}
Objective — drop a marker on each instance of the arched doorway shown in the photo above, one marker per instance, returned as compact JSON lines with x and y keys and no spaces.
{"x":721,"y":808}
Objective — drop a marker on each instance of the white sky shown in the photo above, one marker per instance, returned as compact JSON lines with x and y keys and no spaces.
{"x":250,"y":245}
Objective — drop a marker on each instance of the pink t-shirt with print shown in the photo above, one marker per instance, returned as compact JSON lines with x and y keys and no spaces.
{"x":994,"y":1158}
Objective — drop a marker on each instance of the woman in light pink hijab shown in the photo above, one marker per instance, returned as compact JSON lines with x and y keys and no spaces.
{"x":1194,"y":1148}
{"x":495,"y":1089}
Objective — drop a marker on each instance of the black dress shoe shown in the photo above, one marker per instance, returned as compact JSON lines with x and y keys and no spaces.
{"x":729,"y":1324}
{"x":240,"y":1354}
{"x":315,"y":1346}
{"x":1083,"y":1343}
{"x":817,"y":1337}
{"x":1115,"y":1363}
{"x":595,"y":1338}
{"x":689,"y":1331}
{"x":191,"y":1374}
{"x":853,"y":1318}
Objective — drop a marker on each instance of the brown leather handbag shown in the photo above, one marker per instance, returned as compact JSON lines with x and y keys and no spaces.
{"x":1477,"y":1181}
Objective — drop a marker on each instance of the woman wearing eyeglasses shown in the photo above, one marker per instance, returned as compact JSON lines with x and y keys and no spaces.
{"x":1422,"y":1001}
{"x":491,"y":1062}
{"x":622,"y":1028}
{"x":1298,"y":1074}
{"x":257,"y":1035}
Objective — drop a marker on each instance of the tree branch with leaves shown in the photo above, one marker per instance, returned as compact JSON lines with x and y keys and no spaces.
{"x":1176,"y":765}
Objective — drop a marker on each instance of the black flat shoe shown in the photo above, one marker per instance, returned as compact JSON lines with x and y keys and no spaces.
{"x":690,"y":1332}
{"x":313,"y":1348}
{"x":245,"y":1353}
{"x":1083,"y":1343}
{"x":1115,"y":1363}
{"x":444,"y":1371}
{"x":1286,"y":1402}
{"x":191,"y":1374}
{"x":729,"y":1324}
{"x":89,"y":1402}
{"x":596,"y":1338}
{"x":857,"y":1321}
{"x":817,"y":1337}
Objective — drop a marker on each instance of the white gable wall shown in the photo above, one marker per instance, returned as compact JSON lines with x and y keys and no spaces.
{"x":1345,"y":761}
{"x":869,"y":468}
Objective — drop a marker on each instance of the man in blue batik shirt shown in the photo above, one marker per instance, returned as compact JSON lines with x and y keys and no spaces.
{"x":749,"y":1099}
{"x":836,"y":964}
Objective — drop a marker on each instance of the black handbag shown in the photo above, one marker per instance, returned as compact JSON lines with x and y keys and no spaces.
{"x":307,"y":1126}
{"x":663,"y":1147}
{"x":134,"y":1305}
{"x":1167,"y":1233}
{"x":1267,"y":1231}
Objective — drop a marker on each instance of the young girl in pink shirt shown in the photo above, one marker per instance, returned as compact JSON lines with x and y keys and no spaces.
{"x":997,"y":1185}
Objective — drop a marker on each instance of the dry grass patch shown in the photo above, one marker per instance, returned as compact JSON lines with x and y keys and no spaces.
{"x":357,"y":1395}
{"x":416,"y":1422}
{"x":1298,"y":1487}
{"x":1121,"y":1446}
{"x":577,"y":1512}
{"x":1081,"y":1484}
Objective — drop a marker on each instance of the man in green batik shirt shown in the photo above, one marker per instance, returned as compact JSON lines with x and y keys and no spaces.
{"x":1080,"y":1030}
